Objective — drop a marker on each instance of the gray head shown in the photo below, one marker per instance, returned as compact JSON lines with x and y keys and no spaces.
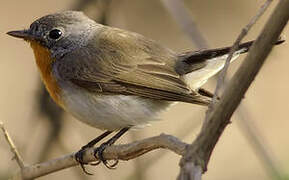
{"x":60,"y":32}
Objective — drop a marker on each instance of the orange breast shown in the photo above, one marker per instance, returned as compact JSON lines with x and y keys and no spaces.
{"x":44,"y":63}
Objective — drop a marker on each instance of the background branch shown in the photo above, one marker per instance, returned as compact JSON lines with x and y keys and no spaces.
{"x":235,"y":46}
{"x":250,"y":131}
{"x":199,"y":152}
{"x":259,"y":145}
{"x":184,"y":18}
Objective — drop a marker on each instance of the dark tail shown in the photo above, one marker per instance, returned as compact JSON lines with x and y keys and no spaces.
{"x":202,"y":55}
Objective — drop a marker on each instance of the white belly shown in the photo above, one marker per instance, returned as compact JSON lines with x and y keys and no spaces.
{"x":111,"y":112}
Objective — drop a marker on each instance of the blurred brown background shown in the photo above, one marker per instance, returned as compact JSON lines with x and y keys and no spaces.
{"x":235,"y":156}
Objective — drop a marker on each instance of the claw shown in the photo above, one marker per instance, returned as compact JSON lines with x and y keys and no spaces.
{"x":99,"y":151}
{"x":111,"y":166}
{"x":98,"y":154}
{"x":84,"y":170}
{"x":95,"y":163}
{"x":79,"y":158}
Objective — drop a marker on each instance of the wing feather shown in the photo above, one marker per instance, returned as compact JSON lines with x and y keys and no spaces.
{"x":117,"y":62}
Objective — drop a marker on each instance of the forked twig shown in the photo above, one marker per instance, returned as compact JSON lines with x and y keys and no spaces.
{"x":235,"y":46}
{"x":199,"y":152}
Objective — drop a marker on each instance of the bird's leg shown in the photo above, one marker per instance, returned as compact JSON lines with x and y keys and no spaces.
{"x":79,"y":155}
{"x":205,"y":92}
{"x":98,"y":151}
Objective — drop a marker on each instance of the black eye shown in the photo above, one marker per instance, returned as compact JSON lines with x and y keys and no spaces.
{"x":55,"y":34}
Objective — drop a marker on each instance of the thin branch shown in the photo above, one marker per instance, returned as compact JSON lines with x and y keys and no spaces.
{"x":199,"y":152}
{"x":13,"y":148}
{"x":221,"y":79}
{"x":246,"y":128}
{"x":245,"y":30}
{"x":183,"y":16}
{"x":120,"y":152}
{"x":182,"y":132}
{"x":245,"y":123}
{"x":138,"y":172}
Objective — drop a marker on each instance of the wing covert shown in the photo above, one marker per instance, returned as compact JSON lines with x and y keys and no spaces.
{"x":126,"y":63}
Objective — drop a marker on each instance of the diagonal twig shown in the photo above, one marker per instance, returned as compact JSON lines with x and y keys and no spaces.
{"x":199,"y":152}
{"x":246,"y":128}
{"x":184,"y":131}
{"x":13,"y":148}
{"x":245,"y":30}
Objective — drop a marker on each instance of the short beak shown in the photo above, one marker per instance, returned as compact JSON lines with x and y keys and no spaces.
{"x":23,"y":34}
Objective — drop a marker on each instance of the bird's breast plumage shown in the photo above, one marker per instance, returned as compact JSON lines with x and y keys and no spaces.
{"x":44,"y":63}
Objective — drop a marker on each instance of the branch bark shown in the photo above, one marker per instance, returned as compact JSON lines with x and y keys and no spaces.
{"x":13,"y":148}
{"x":235,"y":46}
{"x":199,"y":152}
{"x":120,"y":152}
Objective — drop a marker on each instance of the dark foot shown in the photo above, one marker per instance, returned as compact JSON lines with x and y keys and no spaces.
{"x":101,"y":148}
{"x":98,"y":155}
{"x":79,"y":158}
{"x":206,"y":93}
{"x":79,"y":155}
{"x":99,"y":151}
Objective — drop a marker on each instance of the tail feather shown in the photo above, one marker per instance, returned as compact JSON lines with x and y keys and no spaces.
{"x":197,"y":67}
{"x":202,"y":55}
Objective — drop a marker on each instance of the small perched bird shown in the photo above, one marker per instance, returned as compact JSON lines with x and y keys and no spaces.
{"x":113,"y":79}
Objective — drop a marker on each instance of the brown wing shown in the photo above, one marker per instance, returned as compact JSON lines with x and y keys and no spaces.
{"x":118,"y":62}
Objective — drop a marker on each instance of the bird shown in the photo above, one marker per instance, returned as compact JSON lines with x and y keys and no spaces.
{"x":114,"y":79}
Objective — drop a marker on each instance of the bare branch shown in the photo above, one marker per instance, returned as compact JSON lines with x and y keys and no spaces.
{"x":235,"y":46}
{"x":13,"y":148}
{"x":246,"y":127}
{"x":120,"y":152}
{"x":183,"y":16}
{"x":198,"y":154}
{"x":262,"y":153}
{"x":182,"y":132}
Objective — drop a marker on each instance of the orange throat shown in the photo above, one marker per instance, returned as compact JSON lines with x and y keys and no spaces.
{"x":44,"y":63}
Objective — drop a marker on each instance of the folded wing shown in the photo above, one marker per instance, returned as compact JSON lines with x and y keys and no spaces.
{"x":117,"y":62}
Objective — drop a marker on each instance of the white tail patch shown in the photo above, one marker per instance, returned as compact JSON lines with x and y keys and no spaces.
{"x":199,"y":77}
